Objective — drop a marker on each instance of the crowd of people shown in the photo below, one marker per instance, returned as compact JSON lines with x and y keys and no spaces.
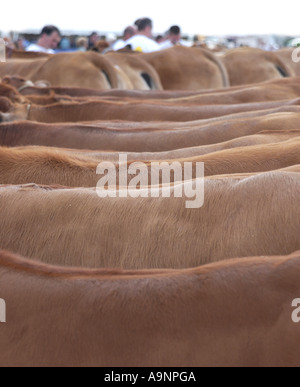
{"x":138,"y":37}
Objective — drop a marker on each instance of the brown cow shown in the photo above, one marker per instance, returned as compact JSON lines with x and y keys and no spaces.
{"x":285,"y":55}
{"x":250,"y":65}
{"x":271,"y":90}
{"x":257,"y":215}
{"x":183,"y":68}
{"x":5,"y":105}
{"x":154,"y":137}
{"x":261,"y":92}
{"x":131,"y":111}
{"x":88,"y":70}
{"x":25,"y":86}
{"x":19,"y":54}
{"x":266,"y":137}
{"x":47,"y":166}
{"x":235,"y":313}
{"x":23,"y":68}
{"x":11,"y":93}
{"x":141,"y":74}
{"x":259,"y":158}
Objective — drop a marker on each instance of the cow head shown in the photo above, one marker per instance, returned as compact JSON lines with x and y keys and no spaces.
{"x":20,"y":83}
{"x":5,"y":105}
{"x":12,"y":111}
{"x":14,"y":81}
{"x":11,"y":93}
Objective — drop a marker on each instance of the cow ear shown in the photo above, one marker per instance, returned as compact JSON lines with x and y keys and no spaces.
{"x":42,"y":84}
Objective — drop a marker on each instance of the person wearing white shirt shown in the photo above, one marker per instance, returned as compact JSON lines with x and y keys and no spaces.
{"x":143,"y":41}
{"x":49,"y":40}
{"x":128,"y":33}
{"x":173,"y":39}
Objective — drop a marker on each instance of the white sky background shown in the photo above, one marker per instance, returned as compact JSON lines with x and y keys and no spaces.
{"x":210,"y":17}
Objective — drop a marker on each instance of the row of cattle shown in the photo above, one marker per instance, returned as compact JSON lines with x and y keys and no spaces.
{"x":144,"y":281}
{"x":178,"y":68}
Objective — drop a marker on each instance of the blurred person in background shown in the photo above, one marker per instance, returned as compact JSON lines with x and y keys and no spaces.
{"x":143,"y":40}
{"x":173,"y":38}
{"x":49,"y":40}
{"x":159,"y":39}
{"x":20,"y":44}
{"x":129,"y":32}
{"x":65,"y":44}
{"x":82,"y":44}
{"x":93,"y":40}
